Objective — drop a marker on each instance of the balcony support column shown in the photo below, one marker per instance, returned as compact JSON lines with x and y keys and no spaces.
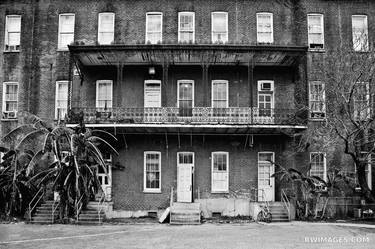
{"x":250,"y":85}
{"x":205,"y":83}
{"x":120,"y":71}
{"x":164,"y":100}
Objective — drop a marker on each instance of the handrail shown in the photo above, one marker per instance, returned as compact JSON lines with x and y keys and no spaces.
{"x":171,"y":199}
{"x":100,"y":205}
{"x":286,"y":201}
{"x":36,"y":203}
{"x":78,"y":209}
{"x":54,"y":209}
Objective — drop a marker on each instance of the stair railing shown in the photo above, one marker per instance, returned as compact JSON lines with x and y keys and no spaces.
{"x":171,"y":198}
{"x":79,"y":207}
{"x":101,"y":205}
{"x":286,"y":202}
{"x":54,"y":209}
{"x":35,"y":201}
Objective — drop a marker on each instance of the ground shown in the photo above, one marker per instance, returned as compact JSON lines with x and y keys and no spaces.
{"x":245,"y":235}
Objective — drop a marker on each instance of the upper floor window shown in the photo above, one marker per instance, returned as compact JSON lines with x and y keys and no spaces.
{"x":317,"y":100}
{"x":220,"y":172}
{"x":360,"y":33}
{"x":152,"y":171}
{"x":361,"y":99}
{"x":318,"y":165}
{"x":154,"y":23}
{"x":219,"y":94}
{"x":186,"y":27}
{"x":12,"y":33}
{"x":106,"y":28}
{"x":66,"y":30}
{"x":315,"y":24}
{"x":61,"y":105}
{"x":264,"y":28}
{"x":10,"y":100}
{"x":219,"y":23}
{"x":103,"y":95}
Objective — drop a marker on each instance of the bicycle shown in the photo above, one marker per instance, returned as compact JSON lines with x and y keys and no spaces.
{"x":264,"y":214}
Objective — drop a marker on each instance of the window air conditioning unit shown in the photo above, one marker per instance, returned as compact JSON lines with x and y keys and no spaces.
{"x":265,"y":86}
{"x":9,"y":115}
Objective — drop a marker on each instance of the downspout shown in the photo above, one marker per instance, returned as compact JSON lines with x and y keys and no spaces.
{"x":31,"y":58}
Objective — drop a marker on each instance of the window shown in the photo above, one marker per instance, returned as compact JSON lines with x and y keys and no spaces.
{"x":219,"y":27}
{"x":219,"y":94}
{"x":361,"y":101}
{"x":220,"y":169}
{"x":10,"y":100}
{"x":152,"y":171}
{"x":12,"y":33}
{"x":106,"y":28}
{"x":318,"y":165}
{"x":103,"y":95}
{"x":316,"y":31}
{"x":264,"y":27}
{"x":154,"y":23}
{"x":185,"y":97}
{"x":186,"y":25}
{"x":366,"y":156}
{"x":152,"y":93}
{"x":266,"y":99}
{"x":360,"y":32}
{"x":317,"y":100}
{"x":61,"y":105}
{"x":66,"y":30}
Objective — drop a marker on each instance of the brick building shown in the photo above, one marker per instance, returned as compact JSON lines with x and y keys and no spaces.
{"x":200,"y":94}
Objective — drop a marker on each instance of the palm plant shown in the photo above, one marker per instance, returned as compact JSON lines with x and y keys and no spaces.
{"x":75,"y":159}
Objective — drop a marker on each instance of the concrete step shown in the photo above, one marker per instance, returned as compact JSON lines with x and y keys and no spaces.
{"x":92,"y":223}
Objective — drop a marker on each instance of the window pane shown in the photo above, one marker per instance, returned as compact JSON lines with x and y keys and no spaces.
{"x":106,"y":22}
{"x":152,"y":171}
{"x":66,"y":23}
{"x":219,"y":22}
{"x":13,"y":23}
{"x":154,"y":23}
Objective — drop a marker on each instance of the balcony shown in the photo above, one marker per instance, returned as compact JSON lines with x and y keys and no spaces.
{"x":187,"y":116}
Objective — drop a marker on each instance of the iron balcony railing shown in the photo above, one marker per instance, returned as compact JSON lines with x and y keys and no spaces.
{"x":195,"y":115}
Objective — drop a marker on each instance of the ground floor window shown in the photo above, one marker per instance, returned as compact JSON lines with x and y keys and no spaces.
{"x":152,"y":171}
{"x":318,"y":165}
{"x":220,"y":169}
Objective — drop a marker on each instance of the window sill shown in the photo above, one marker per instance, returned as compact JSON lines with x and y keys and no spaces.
{"x":317,"y":119}
{"x":62,"y":50}
{"x":317,"y":50}
{"x":150,"y":191}
{"x":219,"y":192}
{"x":9,"y":119}
{"x":11,"y":51}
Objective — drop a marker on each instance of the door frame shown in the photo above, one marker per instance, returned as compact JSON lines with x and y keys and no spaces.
{"x":178,"y":91}
{"x":192,"y":172}
{"x":272,"y":179}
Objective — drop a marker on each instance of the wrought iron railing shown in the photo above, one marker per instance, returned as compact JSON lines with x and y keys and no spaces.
{"x":195,"y":115}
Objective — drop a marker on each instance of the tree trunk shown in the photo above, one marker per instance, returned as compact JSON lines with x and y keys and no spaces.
{"x":362,"y":180}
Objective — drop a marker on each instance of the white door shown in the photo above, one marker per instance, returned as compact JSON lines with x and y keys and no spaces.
{"x":106,"y":179}
{"x":152,"y":93}
{"x":185,"y":167}
{"x":266,"y":183}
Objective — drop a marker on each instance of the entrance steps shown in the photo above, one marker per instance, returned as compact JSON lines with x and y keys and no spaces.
{"x":43,"y":214}
{"x":92,"y":215}
{"x":185,"y":213}
{"x":279,"y":212}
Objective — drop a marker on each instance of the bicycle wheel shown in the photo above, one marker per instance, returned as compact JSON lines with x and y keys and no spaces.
{"x":268,"y":217}
{"x":260,"y":216}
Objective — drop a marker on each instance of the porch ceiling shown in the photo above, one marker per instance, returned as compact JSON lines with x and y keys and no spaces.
{"x":197,"y":129}
{"x":108,"y":55}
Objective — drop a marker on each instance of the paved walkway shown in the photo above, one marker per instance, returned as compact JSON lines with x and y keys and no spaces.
{"x":207,"y":236}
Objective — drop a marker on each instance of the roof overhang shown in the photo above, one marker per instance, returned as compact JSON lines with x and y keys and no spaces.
{"x":188,"y":54}
{"x":197,"y":129}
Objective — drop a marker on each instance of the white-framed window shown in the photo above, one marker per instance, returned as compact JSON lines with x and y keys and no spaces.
{"x":61,"y":104}
{"x":219,"y":94}
{"x":152,"y":93}
{"x":361,"y":101}
{"x":66,"y":30}
{"x":264,"y":27}
{"x":219,"y":27}
{"x":360,"y":33}
{"x":318,"y":165}
{"x":152,"y":171}
{"x":104,"y":95}
{"x":185,"y":97}
{"x":154,"y":27}
{"x":12,"y":33}
{"x":186,"y":27}
{"x":106,"y":28}
{"x":315,"y":23}
{"x":220,"y":171}
{"x":317,"y":101}
{"x":10,"y":100}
